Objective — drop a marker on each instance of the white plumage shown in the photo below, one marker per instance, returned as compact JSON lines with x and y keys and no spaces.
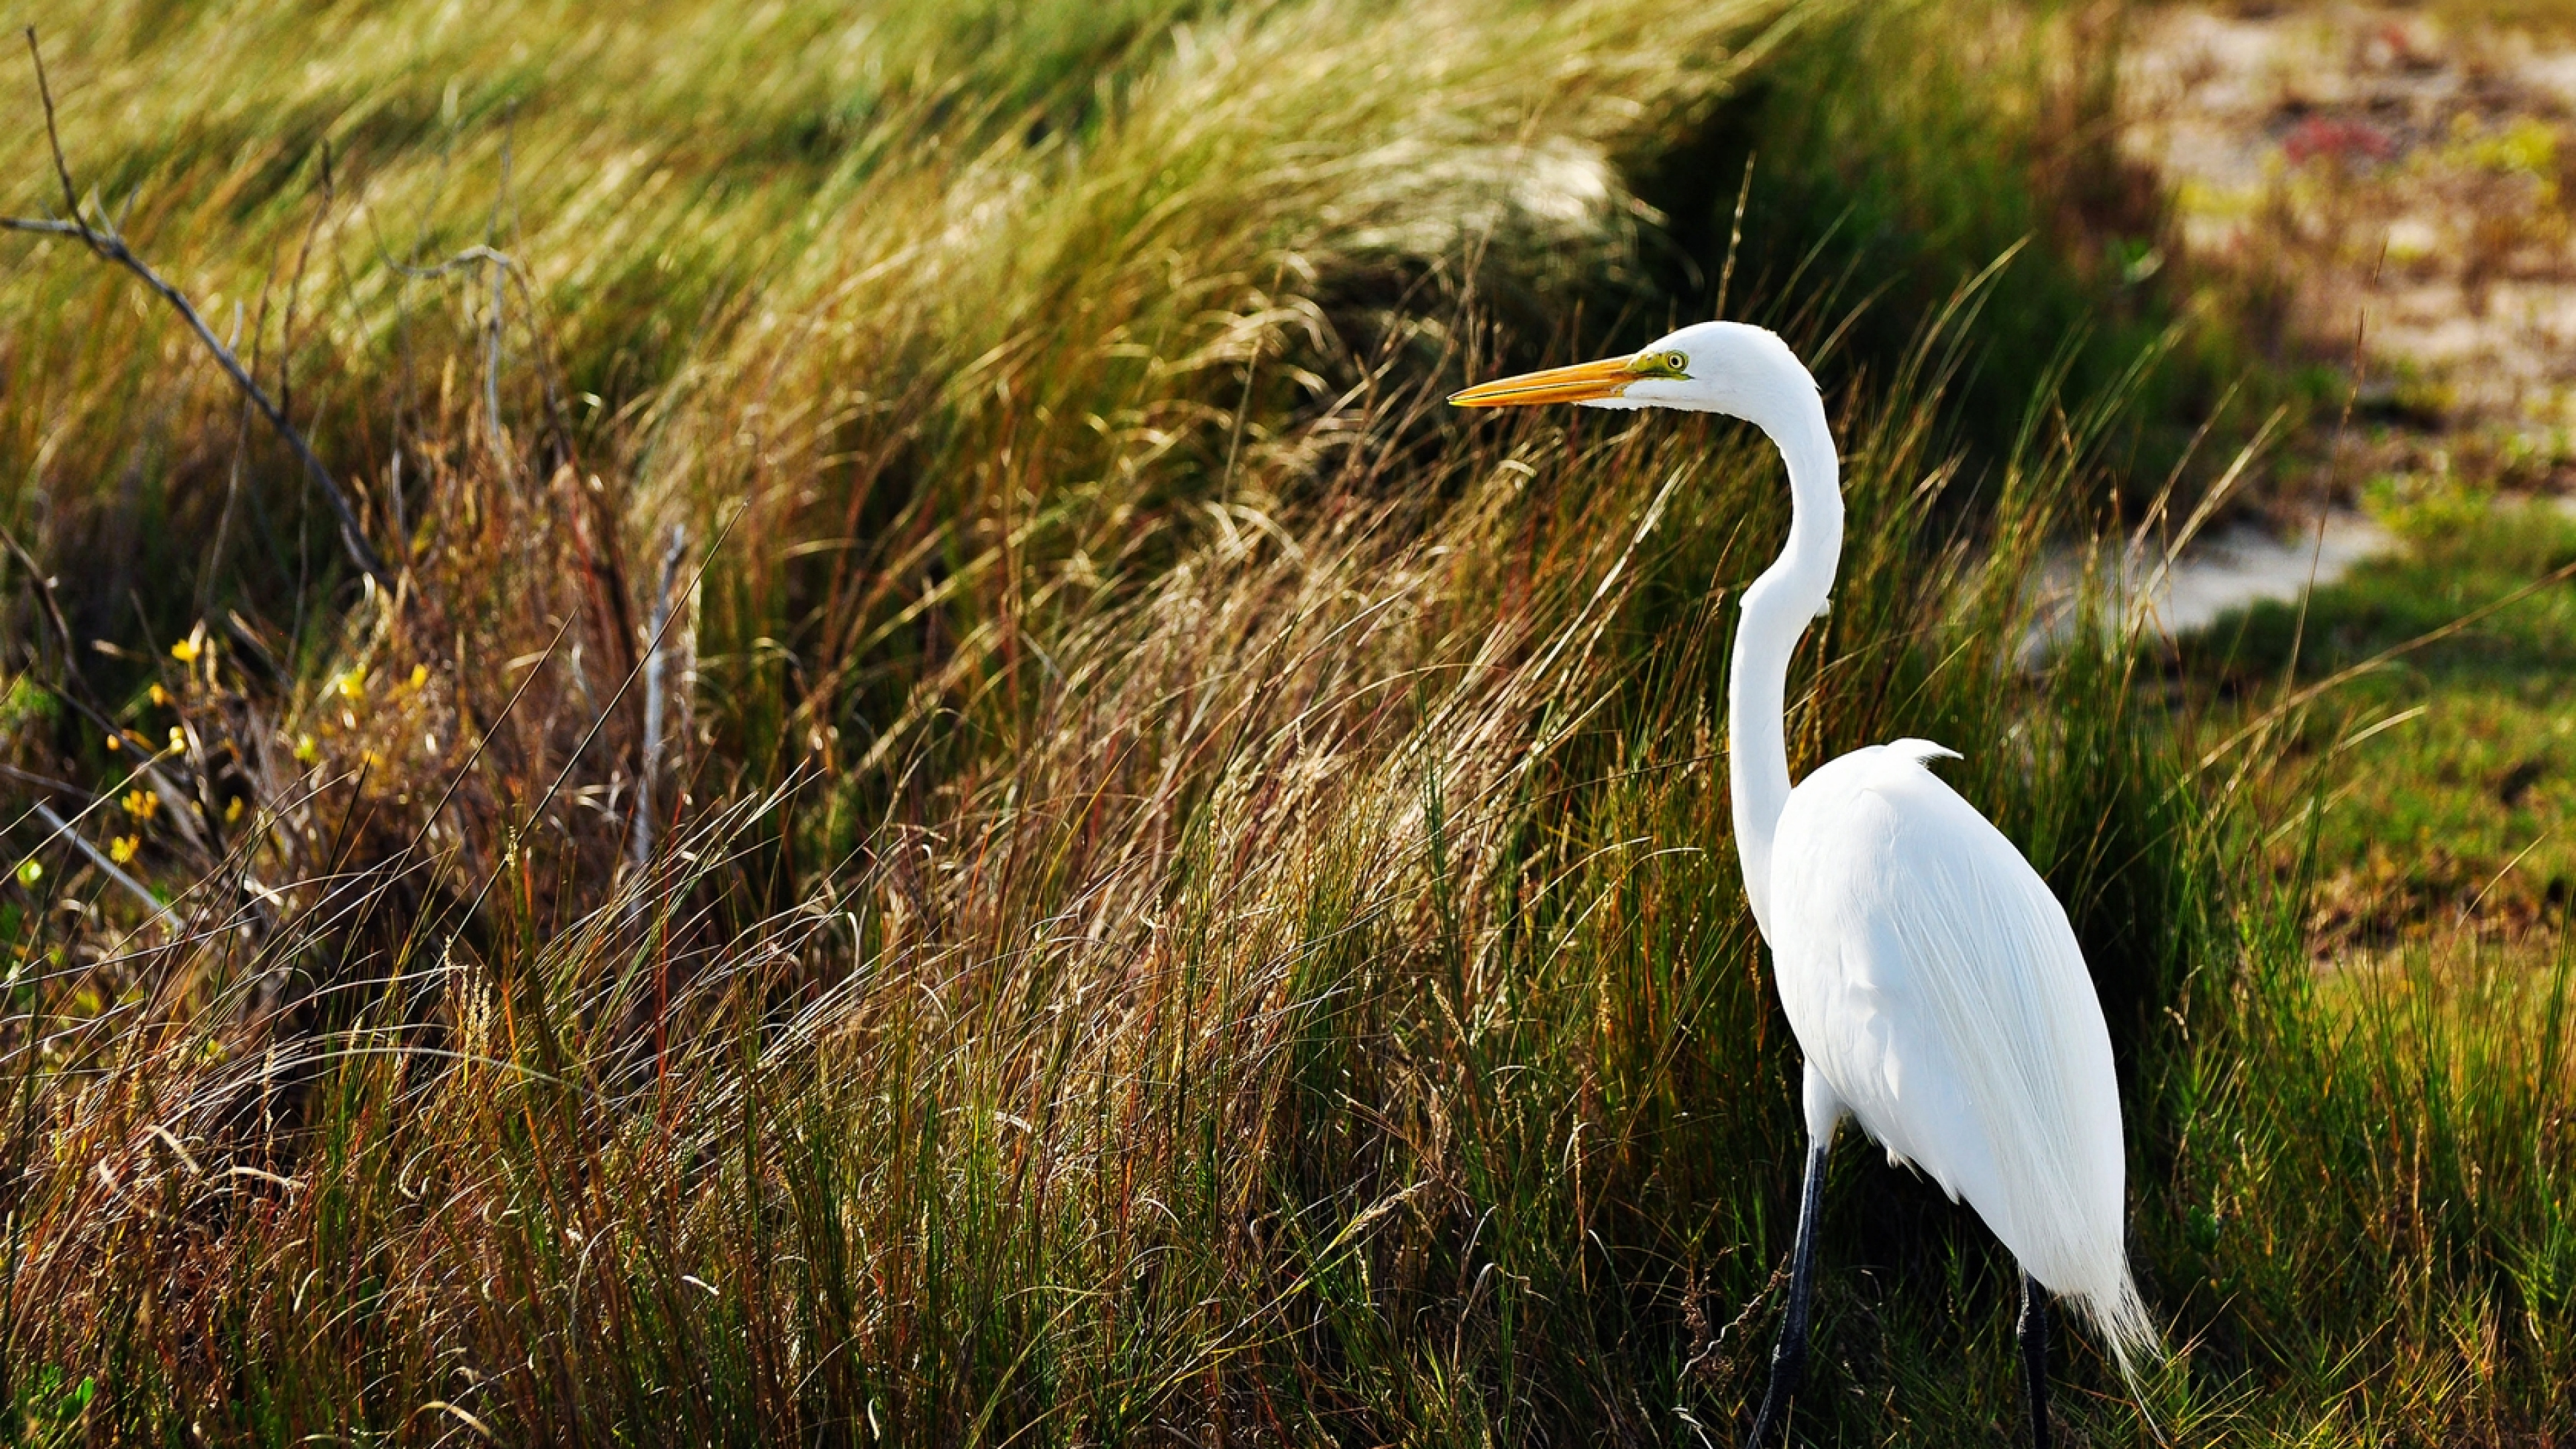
{"x":1940,"y":998}
{"x":1933,"y":982}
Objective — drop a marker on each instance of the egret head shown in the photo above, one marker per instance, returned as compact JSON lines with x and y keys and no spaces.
{"x":1711,"y":367}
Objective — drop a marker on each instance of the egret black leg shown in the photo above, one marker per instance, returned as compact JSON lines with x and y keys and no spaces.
{"x":1789,"y":1355}
{"x":2034,"y":1356}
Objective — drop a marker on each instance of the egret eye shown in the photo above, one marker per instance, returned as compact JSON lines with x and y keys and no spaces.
{"x":1679,"y":362}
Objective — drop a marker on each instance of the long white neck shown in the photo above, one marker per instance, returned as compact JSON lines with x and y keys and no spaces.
{"x":1776,"y":610}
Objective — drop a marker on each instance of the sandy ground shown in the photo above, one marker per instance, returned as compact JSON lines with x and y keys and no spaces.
{"x":2387,"y":178}
{"x":2400,"y":194}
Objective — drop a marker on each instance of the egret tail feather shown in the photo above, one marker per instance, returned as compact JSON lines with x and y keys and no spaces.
{"x":2119,"y":1319}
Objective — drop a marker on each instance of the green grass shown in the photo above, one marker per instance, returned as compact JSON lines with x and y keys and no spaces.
{"x":1998,"y":126}
{"x":1193,"y":899}
{"x":2441,"y":778}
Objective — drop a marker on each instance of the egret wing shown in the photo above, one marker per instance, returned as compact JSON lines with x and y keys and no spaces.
{"x":1934,"y":982}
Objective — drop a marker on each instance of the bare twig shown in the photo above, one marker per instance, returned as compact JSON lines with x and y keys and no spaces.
{"x":43,"y":584}
{"x":492,"y":357}
{"x":42,"y":782}
{"x":63,"y":828}
{"x":103,"y":240}
{"x":538,"y":810}
{"x":53,"y":137}
{"x":499,"y":266}
{"x":641,"y":852}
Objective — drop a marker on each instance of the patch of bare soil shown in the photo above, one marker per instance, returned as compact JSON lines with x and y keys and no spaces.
{"x":2397,"y":189}
{"x":2376,"y":172}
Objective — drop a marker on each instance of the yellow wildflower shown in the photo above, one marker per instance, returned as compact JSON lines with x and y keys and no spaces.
{"x":233,"y":810}
{"x":29,"y":872}
{"x":114,"y":743}
{"x":353,"y":685}
{"x":122,"y":848}
{"x":419,"y":675}
{"x":160,"y":697}
{"x":305,"y":750}
{"x":185,"y":651}
{"x":141,"y":803}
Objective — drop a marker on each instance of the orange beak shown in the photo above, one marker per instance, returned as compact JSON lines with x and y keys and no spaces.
{"x":1583,"y":382}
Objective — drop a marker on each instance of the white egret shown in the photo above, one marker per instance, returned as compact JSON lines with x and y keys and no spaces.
{"x":1936,"y":990}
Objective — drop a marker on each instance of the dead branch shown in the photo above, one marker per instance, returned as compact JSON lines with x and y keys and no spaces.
{"x":594,"y":529}
{"x":62,"y":829}
{"x":104,"y":240}
{"x":600,"y":721}
{"x":651,"y":762}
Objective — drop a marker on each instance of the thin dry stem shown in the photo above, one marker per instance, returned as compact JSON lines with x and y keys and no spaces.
{"x":108,"y":245}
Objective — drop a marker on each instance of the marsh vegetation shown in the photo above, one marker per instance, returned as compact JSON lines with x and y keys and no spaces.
{"x":971,"y":817}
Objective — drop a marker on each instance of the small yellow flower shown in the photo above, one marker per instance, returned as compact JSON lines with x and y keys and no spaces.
{"x":306,"y":750}
{"x":30,"y":872}
{"x":419,"y":675}
{"x":353,"y":686}
{"x":233,"y":809}
{"x":178,"y":739}
{"x":122,"y":848}
{"x":141,"y":803}
{"x":160,"y":697}
{"x":185,"y":651}
{"x":114,"y":743}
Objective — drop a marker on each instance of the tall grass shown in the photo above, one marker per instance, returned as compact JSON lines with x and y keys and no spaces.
{"x":1898,"y":149}
{"x":2369,"y":1200}
{"x":1193,"y":898}
{"x":1324,"y":1009}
